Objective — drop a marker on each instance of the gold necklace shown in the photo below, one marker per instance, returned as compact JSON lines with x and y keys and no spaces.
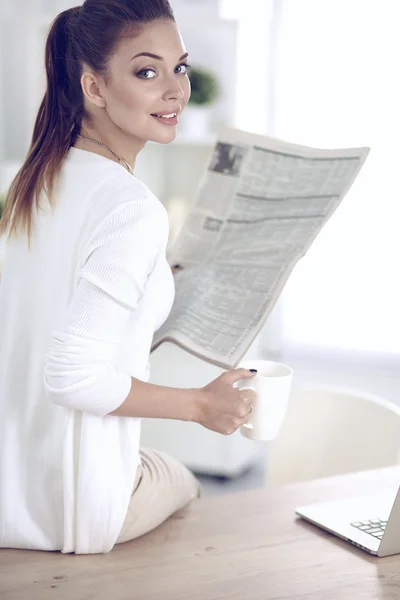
{"x":119,"y":158}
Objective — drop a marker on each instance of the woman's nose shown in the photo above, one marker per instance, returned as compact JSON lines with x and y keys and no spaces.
{"x":174,"y":90}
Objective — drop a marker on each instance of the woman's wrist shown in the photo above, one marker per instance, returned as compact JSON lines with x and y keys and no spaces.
{"x":195,"y":405}
{"x":146,"y":400}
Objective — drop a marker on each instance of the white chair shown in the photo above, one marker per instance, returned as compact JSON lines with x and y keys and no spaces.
{"x":330,"y":431}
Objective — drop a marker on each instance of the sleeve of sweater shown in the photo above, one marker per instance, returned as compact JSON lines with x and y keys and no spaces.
{"x":80,"y":371}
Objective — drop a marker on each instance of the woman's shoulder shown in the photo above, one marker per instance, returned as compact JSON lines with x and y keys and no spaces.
{"x":123,"y":198}
{"x":121,"y":187}
{"x":105,"y":184}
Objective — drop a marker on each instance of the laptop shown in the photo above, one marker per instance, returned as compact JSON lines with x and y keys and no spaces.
{"x":371,"y":523}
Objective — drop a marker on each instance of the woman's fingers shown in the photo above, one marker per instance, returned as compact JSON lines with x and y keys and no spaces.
{"x":176,"y":268}
{"x":248,"y":396}
{"x":237,"y":374}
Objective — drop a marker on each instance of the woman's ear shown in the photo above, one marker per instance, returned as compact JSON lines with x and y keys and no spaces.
{"x":91,"y":90}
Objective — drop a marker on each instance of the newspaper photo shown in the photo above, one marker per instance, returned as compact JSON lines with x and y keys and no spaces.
{"x":260,"y":204}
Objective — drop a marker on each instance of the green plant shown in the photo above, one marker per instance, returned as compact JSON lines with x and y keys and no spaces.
{"x":204,"y":85}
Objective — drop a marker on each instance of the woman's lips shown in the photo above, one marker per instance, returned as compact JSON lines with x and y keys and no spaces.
{"x":167,"y":119}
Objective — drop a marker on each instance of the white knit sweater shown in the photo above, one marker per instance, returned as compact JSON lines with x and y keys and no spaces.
{"x":77,"y":316}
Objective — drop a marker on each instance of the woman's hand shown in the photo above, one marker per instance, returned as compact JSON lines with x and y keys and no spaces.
{"x":223,"y":408}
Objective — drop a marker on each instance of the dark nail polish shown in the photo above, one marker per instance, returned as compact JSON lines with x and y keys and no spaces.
{"x":253,"y":370}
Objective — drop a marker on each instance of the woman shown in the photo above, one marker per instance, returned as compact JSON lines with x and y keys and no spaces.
{"x":84,"y":286}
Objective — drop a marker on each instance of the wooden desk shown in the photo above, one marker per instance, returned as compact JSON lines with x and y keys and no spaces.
{"x":245,"y":546}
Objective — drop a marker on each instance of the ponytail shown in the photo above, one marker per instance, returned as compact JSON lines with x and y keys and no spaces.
{"x":56,"y":127}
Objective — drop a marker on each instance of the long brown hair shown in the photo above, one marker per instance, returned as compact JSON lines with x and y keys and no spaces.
{"x":84,"y":34}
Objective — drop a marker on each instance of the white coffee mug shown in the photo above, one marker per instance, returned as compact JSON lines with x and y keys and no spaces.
{"x":272,"y":384}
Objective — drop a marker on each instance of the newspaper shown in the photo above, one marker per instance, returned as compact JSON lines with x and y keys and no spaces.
{"x":260,"y":204}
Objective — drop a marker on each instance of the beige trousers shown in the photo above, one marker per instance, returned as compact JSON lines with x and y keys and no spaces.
{"x":162,"y":486}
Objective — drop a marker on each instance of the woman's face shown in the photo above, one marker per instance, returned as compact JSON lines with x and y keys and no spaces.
{"x":145,"y":94}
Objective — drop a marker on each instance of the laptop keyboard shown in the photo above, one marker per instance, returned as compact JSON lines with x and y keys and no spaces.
{"x":375,"y":527}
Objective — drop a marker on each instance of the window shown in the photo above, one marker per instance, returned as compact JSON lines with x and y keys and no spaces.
{"x":336,"y":85}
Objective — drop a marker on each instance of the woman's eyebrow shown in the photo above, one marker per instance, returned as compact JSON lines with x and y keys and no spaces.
{"x":156,"y":57}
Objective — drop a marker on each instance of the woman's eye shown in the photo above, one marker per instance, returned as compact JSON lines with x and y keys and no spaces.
{"x":182,"y":69}
{"x":146,"y":74}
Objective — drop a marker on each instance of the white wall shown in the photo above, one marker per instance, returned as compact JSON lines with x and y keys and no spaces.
{"x":14,"y":65}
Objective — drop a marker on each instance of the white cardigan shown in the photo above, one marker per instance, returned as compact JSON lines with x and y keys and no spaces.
{"x":77,"y":316}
